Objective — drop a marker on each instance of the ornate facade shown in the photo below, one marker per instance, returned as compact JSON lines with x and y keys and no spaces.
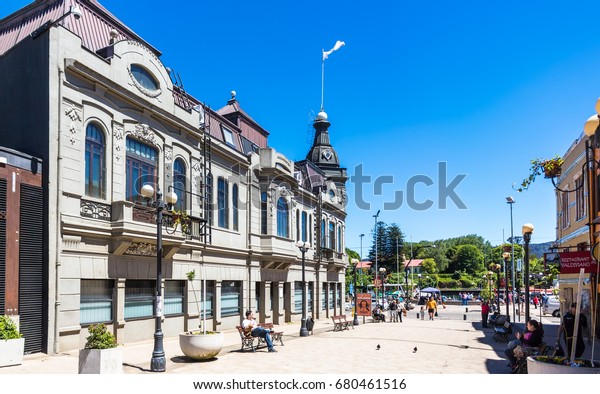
{"x":104,"y":117}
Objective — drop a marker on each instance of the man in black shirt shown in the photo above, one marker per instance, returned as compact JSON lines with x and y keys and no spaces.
{"x":567,"y":328}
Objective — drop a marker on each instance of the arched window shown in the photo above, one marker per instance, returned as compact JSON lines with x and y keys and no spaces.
{"x":234,"y":200}
{"x":179,"y":184}
{"x":282,"y":218}
{"x":95,"y":165}
{"x":331,"y":236}
{"x":223,"y":202}
{"x":141,"y":168}
{"x":339,"y":239}
{"x":304,"y":226}
{"x":323,"y":234}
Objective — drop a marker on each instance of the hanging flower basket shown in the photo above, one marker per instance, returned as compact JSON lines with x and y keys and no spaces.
{"x":552,"y":172}
{"x":551,"y":168}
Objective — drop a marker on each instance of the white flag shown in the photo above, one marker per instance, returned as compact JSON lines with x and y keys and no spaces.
{"x":337,"y":46}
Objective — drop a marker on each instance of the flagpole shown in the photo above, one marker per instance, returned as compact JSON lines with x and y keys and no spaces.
{"x":322,"y":79}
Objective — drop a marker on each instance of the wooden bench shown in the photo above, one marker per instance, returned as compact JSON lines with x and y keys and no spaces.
{"x":247,"y":339}
{"x":340,"y":323}
{"x":501,"y":332}
{"x":275,"y":335}
{"x":346,"y":323}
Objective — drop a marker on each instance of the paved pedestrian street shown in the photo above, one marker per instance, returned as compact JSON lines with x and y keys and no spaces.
{"x":452,"y":345}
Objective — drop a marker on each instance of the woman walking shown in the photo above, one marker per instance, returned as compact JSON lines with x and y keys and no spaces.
{"x":431,"y":307}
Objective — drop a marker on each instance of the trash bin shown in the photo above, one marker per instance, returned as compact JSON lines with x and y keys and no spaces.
{"x":310,"y":324}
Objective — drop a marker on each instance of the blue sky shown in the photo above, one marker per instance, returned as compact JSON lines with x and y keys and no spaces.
{"x":483,"y":87}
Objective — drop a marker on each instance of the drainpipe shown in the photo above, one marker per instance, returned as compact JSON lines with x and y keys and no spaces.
{"x":58,"y":211}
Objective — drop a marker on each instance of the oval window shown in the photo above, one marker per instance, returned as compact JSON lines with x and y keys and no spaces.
{"x":143,"y":77}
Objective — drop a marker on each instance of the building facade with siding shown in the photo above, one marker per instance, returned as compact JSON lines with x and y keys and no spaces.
{"x":91,"y":103}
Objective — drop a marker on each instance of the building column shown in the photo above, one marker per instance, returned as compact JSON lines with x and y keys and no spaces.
{"x":217,"y":305}
{"x":287,"y":300}
{"x":277,"y":288}
{"x":263,"y":304}
{"x":119,"y":311}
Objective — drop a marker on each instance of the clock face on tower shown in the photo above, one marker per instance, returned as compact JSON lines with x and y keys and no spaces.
{"x":327,"y":154}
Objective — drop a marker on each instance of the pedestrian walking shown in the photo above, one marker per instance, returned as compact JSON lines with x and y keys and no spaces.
{"x":536,"y":301}
{"x":431,"y":307}
{"x":393,"y":311}
{"x":485,"y":311}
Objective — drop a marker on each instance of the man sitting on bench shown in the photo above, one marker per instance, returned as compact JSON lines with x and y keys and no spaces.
{"x":250,"y":325}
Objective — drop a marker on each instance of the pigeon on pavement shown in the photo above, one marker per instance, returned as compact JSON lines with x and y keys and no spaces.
{"x":378,"y":347}
{"x":415,"y":350}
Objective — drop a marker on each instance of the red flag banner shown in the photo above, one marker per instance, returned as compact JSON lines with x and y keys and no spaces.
{"x":571,"y":262}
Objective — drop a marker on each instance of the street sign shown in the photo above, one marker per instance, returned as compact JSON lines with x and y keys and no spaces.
{"x":571,"y":262}
{"x":363,"y":304}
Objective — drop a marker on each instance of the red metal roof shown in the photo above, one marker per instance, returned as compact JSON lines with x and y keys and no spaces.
{"x":93,"y":27}
{"x":415,"y":263}
{"x":364,"y":264}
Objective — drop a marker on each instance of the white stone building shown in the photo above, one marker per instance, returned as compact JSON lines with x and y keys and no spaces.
{"x":90,"y":112}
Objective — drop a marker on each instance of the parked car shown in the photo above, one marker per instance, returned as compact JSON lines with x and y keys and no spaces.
{"x":552,"y":306}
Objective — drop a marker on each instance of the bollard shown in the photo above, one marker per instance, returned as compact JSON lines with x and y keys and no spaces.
{"x":464,"y":317}
{"x":417,"y":315}
{"x":467,"y":309}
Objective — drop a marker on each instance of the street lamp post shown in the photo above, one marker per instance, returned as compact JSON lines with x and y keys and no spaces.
{"x":381,"y":279}
{"x":158,"y":363}
{"x":489,"y":280}
{"x":355,"y":320}
{"x":506,"y":255}
{"x":527,"y":230}
{"x":303,"y":246}
{"x":397,"y":265}
{"x":361,"y":251}
{"x":510,"y":201}
{"x":375,"y":234}
{"x":419,"y":275}
{"x":498,"y":268}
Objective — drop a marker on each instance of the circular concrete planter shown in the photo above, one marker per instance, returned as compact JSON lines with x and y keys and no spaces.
{"x":535,"y":366}
{"x":200,"y":346}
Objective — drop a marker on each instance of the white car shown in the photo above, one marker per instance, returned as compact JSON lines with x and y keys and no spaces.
{"x":552,"y":306}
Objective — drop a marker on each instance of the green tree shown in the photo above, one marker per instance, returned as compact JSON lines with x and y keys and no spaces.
{"x":467,"y":258}
{"x":429,"y":266}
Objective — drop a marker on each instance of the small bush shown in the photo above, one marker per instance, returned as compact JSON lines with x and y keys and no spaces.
{"x":8,"y":328}
{"x":100,"y":338}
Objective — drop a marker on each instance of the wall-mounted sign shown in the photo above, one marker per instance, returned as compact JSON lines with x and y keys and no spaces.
{"x":572,"y":262}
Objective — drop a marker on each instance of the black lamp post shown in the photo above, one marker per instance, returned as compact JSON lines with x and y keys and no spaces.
{"x":498,"y":267}
{"x":376,"y":265}
{"x":362,"y":281}
{"x":303,"y":246}
{"x":420,"y":287}
{"x":510,"y":201}
{"x":381,"y":280}
{"x":158,"y":362}
{"x":527,"y":230}
{"x":506,"y":255}
{"x":355,"y":320}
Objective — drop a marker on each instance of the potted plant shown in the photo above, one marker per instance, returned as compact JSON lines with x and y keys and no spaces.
{"x":12,"y":343}
{"x":551,"y":168}
{"x":101,"y":354}
{"x":200,"y":344}
{"x":182,"y":219}
{"x":560,"y":365}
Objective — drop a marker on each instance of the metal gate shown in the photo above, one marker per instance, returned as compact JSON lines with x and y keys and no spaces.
{"x":2,"y":246}
{"x":31,"y":268}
